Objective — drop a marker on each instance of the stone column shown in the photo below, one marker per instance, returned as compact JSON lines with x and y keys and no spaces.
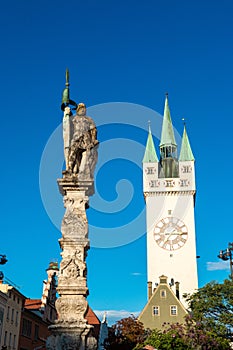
{"x":71,"y":330}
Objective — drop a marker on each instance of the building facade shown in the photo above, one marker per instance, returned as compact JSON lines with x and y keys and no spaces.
{"x":163,"y":306}
{"x":39,"y":314}
{"x":24,"y":322}
{"x":12,"y":316}
{"x":33,"y":330}
{"x":169,"y":190}
{"x":3,"y":302}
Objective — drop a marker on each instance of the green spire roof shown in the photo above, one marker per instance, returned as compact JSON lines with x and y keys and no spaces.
{"x":167,"y":136}
{"x":150,"y":152}
{"x":185,"y":152}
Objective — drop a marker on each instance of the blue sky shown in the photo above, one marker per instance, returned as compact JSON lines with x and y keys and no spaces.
{"x":130,"y":52}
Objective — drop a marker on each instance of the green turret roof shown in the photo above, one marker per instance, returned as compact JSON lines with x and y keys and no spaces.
{"x":150,"y":152}
{"x":186,"y":151}
{"x":167,"y":136}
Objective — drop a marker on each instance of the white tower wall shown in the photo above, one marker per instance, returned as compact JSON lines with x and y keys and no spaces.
{"x":171,"y":240}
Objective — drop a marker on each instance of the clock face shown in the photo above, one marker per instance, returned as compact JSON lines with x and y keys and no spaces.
{"x":170,"y":233}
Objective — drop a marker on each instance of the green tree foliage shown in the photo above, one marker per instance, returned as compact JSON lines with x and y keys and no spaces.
{"x":206,"y":328}
{"x":191,"y":336}
{"x":169,"y":339}
{"x":213,"y":306}
{"x":125,"y":334}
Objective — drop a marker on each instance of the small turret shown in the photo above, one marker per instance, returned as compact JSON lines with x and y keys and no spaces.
{"x":150,"y":155}
{"x":150,"y":163}
{"x":49,"y":292}
{"x":186,"y":153}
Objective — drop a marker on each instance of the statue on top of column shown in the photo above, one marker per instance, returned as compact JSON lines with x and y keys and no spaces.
{"x":80,"y":139}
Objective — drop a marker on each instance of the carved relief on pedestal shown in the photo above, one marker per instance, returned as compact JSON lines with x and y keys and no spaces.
{"x":66,"y":341}
{"x":71,"y":309}
{"x":69,"y":342}
{"x":74,"y":223}
{"x":71,"y":271}
{"x":63,"y":342}
{"x":73,"y":226}
{"x":72,"y":267}
{"x":75,"y":201}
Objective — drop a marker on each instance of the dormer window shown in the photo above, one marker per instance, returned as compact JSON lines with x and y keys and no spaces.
{"x":163,"y":293}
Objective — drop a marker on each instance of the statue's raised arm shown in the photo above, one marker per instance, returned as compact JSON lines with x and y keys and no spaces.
{"x":67,"y":118}
{"x":67,"y":132}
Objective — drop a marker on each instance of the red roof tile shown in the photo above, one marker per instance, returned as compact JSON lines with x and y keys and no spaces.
{"x":32,"y":304}
{"x":91,"y":317}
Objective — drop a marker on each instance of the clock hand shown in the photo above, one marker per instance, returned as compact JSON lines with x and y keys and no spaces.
{"x":176,"y":233}
{"x":171,"y":234}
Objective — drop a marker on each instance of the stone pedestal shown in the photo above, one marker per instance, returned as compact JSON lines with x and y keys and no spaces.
{"x":71,"y":330}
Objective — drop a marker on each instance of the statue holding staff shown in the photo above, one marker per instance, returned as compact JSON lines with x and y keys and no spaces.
{"x":80,"y":138}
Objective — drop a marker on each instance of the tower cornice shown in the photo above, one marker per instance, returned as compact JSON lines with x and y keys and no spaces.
{"x":170,"y":193}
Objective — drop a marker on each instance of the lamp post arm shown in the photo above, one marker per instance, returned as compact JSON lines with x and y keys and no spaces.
{"x":231,"y":263}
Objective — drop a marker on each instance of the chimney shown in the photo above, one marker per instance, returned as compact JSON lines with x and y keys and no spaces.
{"x":149,"y":289}
{"x":177,"y":290}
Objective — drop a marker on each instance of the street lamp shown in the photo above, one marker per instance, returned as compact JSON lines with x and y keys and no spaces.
{"x":227,"y":255}
{"x":3,"y":259}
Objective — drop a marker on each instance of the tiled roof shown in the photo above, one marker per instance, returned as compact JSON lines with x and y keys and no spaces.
{"x":91,"y":317}
{"x":32,"y":304}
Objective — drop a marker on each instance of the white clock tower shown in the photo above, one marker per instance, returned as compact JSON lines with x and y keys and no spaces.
{"x":169,"y":190}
